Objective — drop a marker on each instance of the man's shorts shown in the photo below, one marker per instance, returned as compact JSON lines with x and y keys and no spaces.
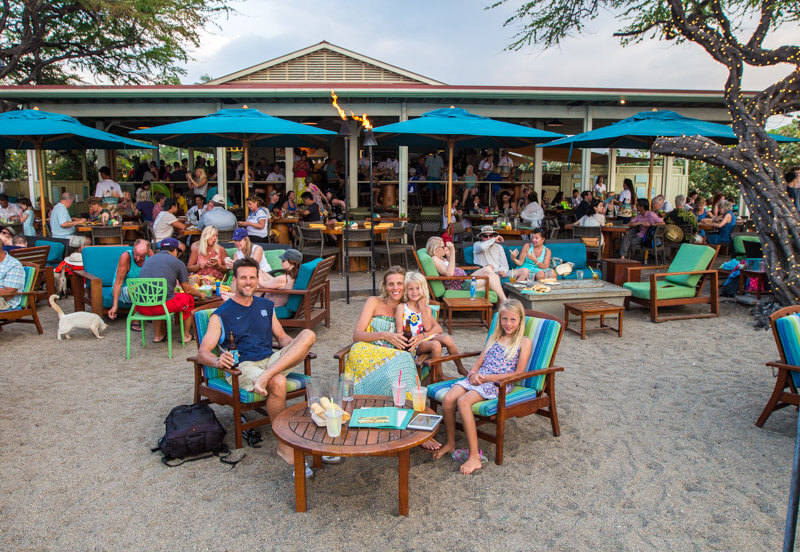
{"x":180,"y":302}
{"x":434,"y":184}
{"x":252,"y":369}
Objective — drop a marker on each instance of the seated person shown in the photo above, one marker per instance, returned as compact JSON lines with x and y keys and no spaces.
{"x":8,"y":211}
{"x":532,"y":214}
{"x":217,"y":216}
{"x":489,"y":252}
{"x":165,"y":264}
{"x":125,"y":207}
{"x":62,"y":225}
{"x":726,"y":222}
{"x":598,"y":218}
{"x":585,"y":206}
{"x":207,"y":258}
{"x":535,"y":257}
{"x":98,"y":213}
{"x":197,"y":210}
{"x":283,"y":278}
{"x":444,"y":259}
{"x":253,"y":323}
{"x":129,"y":265}
{"x":167,"y":224}
{"x":246,"y":248}
{"x":680,"y":215}
{"x":638,"y":226}
{"x":12,"y":276}
{"x":310,"y":210}
{"x":257,"y":223}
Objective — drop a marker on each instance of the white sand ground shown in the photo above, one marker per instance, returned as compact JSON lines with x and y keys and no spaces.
{"x":658,"y":451}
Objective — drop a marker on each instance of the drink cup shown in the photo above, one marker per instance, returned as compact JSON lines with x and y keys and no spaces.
{"x":512,"y":279}
{"x":347,"y":382}
{"x":312,"y":391}
{"x":399,"y":394}
{"x":333,"y":422}
{"x":580,"y":275}
{"x":418,"y":396}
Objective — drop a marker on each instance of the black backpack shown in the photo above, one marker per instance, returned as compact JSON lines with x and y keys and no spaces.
{"x":192,"y":430}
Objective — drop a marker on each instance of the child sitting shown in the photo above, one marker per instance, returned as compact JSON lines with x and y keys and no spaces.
{"x":507,"y":350}
{"x":426,"y":334}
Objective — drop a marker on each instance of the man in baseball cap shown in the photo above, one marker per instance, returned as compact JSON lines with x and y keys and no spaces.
{"x":165,"y":264}
{"x":217,"y":216}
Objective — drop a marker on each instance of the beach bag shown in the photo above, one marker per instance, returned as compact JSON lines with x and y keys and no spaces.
{"x":649,"y":238}
{"x":591,"y":242}
{"x":192,"y":430}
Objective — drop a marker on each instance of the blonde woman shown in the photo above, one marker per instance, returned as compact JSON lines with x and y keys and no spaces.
{"x":198,"y":184}
{"x":444,"y":255}
{"x":207,"y":258}
{"x":246,"y":248}
{"x":427,"y":336}
{"x":507,"y":351}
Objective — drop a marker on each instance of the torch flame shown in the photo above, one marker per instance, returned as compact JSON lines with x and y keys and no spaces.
{"x":336,"y":105}
{"x":363,"y":119}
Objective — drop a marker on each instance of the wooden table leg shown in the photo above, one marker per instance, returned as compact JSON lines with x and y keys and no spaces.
{"x":566,"y":318}
{"x":299,"y":481}
{"x":583,"y":325}
{"x":619,"y":324}
{"x":316,"y":461}
{"x":403,"y":463}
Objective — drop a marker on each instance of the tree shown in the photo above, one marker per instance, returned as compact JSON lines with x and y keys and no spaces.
{"x":733,"y":33}
{"x":121,"y":41}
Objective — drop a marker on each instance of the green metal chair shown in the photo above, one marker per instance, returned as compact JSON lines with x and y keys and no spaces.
{"x":149,"y":292}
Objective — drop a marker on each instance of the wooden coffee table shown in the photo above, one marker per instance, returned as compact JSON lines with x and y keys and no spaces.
{"x":295,"y":428}
{"x":480,"y":304}
{"x":593,"y":308}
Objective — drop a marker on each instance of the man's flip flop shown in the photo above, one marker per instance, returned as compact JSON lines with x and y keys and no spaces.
{"x":463,"y":454}
{"x":159,"y":340}
{"x":309,"y":472}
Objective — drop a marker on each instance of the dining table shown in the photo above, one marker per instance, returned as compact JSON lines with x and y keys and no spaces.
{"x":281,"y":227}
{"x":357,"y":264}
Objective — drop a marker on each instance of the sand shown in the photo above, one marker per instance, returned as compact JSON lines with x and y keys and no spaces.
{"x":658,"y":450}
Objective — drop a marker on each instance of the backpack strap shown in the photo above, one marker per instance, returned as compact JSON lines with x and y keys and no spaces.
{"x":222,"y":453}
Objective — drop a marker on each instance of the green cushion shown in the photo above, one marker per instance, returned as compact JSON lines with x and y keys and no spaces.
{"x":429,"y":269}
{"x":273,"y":257}
{"x":738,"y":244}
{"x":690,"y":257}
{"x":666,"y":290}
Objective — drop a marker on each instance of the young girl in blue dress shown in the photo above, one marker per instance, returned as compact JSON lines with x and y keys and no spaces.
{"x":507,"y":351}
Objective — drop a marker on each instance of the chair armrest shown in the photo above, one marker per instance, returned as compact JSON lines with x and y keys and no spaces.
{"x":469,"y":268}
{"x":343,"y":351}
{"x":525,"y":375}
{"x":436,"y":361}
{"x":283,"y":291}
{"x":95,"y":291}
{"x":231,"y":371}
{"x":664,"y":274}
{"x":636,"y":271}
{"x":784,"y":366}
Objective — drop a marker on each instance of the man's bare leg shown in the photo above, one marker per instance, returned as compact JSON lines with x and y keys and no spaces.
{"x":276,"y":403}
{"x":291,"y":355}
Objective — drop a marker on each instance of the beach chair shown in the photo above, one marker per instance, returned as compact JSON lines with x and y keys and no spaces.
{"x":27,"y":306}
{"x":533,"y":391}
{"x":785,"y":324}
{"x":436,"y":285}
{"x":310,"y":299}
{"x":681,"y":284}
{"x":38,"y":256}
{"x":211,"y":386}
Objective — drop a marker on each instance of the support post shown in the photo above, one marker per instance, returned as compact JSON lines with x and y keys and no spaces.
{"x":288,"y":160}
{"x":222,"y":172}
{"x":402,"y":159}
{"x":611,"y":188}
{"x":538,"y":168}
{"x":586,"y":153}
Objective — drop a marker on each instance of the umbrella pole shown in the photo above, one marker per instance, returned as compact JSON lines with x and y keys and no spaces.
{"x":650,"y":177}
{"x":451,"y":144}
{"x":42,"y":201}
{"x":346,"y":233}
{"x":246,"y":194}
{"x":372,"y":224}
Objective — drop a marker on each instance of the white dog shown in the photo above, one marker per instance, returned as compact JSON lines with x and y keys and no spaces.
{"x":85,"y":320}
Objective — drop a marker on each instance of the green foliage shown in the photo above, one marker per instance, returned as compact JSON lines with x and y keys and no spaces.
{"x":121,"y":41}
{"x":708,"y":180}
{"x":790,"y":153}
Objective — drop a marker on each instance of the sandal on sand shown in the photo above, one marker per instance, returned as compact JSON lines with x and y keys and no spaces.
{"x":463,"y":454}
{"x":309,"y":472}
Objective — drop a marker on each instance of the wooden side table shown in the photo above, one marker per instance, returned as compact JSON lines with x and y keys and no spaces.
{"x":593,"y":308}
{"x":761,"y":279}
{"x":480,"y":304}
{"x":615,"y":271}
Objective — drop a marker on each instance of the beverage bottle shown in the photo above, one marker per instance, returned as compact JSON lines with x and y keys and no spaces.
{"x":216,"y":290}
{"x":473,"y":288}
{"x":233,"y":350}
{"x":407,"y":330}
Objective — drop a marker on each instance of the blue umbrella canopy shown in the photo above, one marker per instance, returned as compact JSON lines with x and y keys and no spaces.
{"x":234,"y":127}
{"x":642,"y":129}
{"x":35,"y":129}
{"x":464,"y":129}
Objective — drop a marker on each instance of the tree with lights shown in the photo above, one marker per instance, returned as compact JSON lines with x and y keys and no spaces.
{"x":733,"y":33}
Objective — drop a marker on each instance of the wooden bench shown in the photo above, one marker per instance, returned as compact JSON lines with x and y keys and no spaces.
{"x":593,"y":308}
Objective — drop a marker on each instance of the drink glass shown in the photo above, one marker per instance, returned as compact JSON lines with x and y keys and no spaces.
{"x":580,"y":275}
{"x":418,"y":396}
{"x":333,"y":422}
{"x":312,"y":391}
{"x":399,"y":394}
{"x":347,"y":382}
{"x":512,"y":279}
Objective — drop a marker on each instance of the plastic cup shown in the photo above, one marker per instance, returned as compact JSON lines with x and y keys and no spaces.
{"x":580,"y":275}
{"x":346,"y":383}
{"x":419,"y":396}
{"x":333,"y":422}
{"x":312,"y":391}
{"x":399,"y":394}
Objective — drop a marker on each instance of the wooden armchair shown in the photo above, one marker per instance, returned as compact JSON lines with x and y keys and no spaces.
{"x":533,"y":391}
{"x":310,"y":300}
{"x":28,"y":305}
{"x":211,"y":386}
{"x":785,"y":324}
{"x":38,"y":256}
{"x":681,"y":284}
{"x":94,"y":284}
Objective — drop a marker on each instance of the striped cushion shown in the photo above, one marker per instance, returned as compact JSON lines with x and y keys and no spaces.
{"x":293,"y":383}
{"x":789,"y":334}
{"x":29,"y":272}
{"x":518,"y":394}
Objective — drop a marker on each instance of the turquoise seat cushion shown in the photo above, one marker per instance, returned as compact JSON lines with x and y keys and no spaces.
{"x":665,"y":290}
{"x":789,"y":333}
{"x":101,"y":261}
{"x":518,"y":394}
{"x":690,"y":257}
{"x":294,"y":382}
{"x":282,"y":312}
{"x":303,"y":278}
{"x":29,"y":272}
{"x":273,"y":257}
{"x":56,"y":253}
{"x":571,"y":252}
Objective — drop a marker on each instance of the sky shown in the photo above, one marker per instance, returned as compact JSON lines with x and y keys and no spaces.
{"x":459,"y":42}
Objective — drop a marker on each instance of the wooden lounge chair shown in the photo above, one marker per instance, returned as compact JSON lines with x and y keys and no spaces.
{"x":533,"y":391}
{"x":28,"y":305}
{"x":210,"y":385}
{"x":38,"y":256}
{"x":785,"y":324}
{"x":310,"y":300}
{"x":681,"y":284}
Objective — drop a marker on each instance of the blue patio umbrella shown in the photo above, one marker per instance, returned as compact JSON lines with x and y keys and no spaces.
{"x":40,"y":130}
{"x":238,"y":128}
{"x":458,"y":127}
{"x":642,"y":129}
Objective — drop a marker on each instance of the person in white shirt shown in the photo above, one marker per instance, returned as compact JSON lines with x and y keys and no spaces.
{"x":166,"y":222}
{"x":275,"y":175}
{"x":107,"y":187}
{"x":533,"y":214}
{"x":8,"y":211}
{"x":489,"y":251}
{"x":505,"y":160}
{"x":196,"y":211}
{"x":600,"y":186}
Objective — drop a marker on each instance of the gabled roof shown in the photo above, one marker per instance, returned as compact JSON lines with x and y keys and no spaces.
{"x":324,"y":62}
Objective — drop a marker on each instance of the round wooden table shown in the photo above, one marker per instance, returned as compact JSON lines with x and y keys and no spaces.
{"x":281,"y":226}
{"x":295,"y":428}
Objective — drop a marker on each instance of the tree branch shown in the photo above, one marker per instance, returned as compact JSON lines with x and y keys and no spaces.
{"x":698,"y":148}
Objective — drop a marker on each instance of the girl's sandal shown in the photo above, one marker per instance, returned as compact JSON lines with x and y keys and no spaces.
{"x":463,"y":454}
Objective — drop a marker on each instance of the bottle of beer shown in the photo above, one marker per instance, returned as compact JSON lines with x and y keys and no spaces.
{"x":233,"y":350}
{"x":407,"y":330}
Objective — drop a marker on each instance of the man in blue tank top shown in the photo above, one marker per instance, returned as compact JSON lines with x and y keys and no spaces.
{"x":253,"y":323}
